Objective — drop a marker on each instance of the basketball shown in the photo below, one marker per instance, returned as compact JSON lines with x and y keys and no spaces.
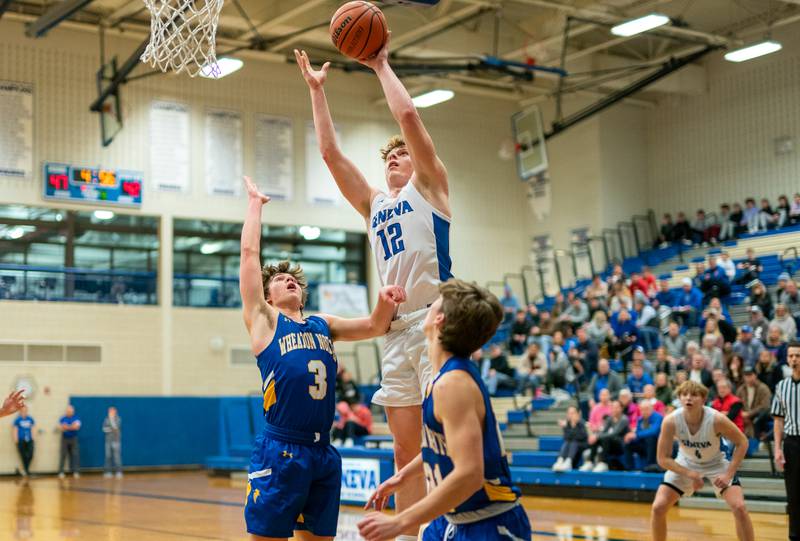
{"x":358,"y":29}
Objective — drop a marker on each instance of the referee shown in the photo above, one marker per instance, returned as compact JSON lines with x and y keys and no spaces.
{"x":786,"y":412}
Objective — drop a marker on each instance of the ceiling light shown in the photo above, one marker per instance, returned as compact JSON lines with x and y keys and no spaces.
{"x":309,"y":232}
{"x":753,"y":51}
{"x":209,"y":248}
{"x":433,"y":97}
{"x":642,"y":24}
{"x":224,"y":66}
{"x":104,"y":214}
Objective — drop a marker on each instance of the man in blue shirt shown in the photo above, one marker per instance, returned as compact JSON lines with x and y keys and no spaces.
{"x":70,"y":425}
{"x":23,"y":437}
{"x":688,"y":304}
{"x":638,"y":379}
{"x":644,"y":440}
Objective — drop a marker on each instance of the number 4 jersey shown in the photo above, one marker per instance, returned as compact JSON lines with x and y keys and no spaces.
{"x":411,"y":243}
{"x":298,"y":374}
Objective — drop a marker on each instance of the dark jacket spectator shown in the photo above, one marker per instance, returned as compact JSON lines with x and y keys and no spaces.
{"x":756,"y":399}
{"x":519,"y":332}
{"x":747,"y":346}
{"x":759,"y":296}
{"x":698,"y":372}
{"x":575,"y":440}
{"x":750,"y":269}
{"x":768,"y":371}
{"x":663,"y":389}
{"x":609,"y":441}
{"x":605,"y":378}
{"x":759,"y":323}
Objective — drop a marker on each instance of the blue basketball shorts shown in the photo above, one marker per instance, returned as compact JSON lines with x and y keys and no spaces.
{"x":513,"y":525}
{"x":292,"y":487}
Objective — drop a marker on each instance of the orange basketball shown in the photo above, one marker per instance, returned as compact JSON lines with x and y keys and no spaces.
{"x":358,"y":30}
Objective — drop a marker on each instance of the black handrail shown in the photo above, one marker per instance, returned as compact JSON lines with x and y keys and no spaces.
{"x":521,"y":277}
{"x":609,"y":231}
{"x":631,"y":225}
{"x":607,"y":256}
{"x":650,"y":232}
{"x":783,"y":256}
{"x":581,"y":248}
{"x":538,"y":270}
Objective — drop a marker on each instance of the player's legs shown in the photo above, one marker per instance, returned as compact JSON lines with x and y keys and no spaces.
{"x":666,"y":497}
{"x":321,"y":511}
{"x":734,"y":497}
{"x":405,"y":423}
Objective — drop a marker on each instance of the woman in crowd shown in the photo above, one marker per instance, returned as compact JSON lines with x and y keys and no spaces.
{"x":575,"y":440}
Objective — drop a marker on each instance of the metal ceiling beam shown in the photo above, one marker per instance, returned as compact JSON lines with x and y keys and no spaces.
{"x":437,"y":24}
{"x":4,"y":6}
{"x":123,"y":12}
{"x":555,"y":39}
{"x":292,"y":14}
{"x":53,"y":16}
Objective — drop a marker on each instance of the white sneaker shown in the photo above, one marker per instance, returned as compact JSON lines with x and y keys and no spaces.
{"x":119,"y":475}
{"x":349,"y":442}
{"x":107,"y":475}
{"x":600,"y":467}
{"x":76,"y":475}
{"x":558,"y":464}
{"x":587,"y":466}
{"x":61,"y":475}
{"x":567,"y":464}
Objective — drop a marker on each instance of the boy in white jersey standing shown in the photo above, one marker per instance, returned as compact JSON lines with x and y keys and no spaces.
{"x":698,"y":430}
{"x":408,"y":228}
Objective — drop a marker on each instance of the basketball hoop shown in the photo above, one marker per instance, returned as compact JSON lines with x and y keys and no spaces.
{"x":182,"y":36}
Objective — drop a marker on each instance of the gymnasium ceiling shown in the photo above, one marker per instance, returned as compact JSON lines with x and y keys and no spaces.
{"x":519,"y":30}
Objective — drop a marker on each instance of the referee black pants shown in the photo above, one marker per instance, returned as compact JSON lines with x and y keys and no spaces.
{"x":791,"y":451}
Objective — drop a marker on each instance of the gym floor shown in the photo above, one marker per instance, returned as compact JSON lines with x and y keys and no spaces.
{"x":193,"y":506}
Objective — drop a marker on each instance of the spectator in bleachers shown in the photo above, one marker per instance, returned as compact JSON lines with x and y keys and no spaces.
{"x":692,"y":347}
{"x":647,"y":324}
{"x":560,"y":305}
{"x":751,"y":268}
{"x":637,"y":379}
{"x":599,"y":330}
{"x":575,"y":440}
{"x":783,"y":209}
{"x":665,"y":232}
{"x":727,"y":226}
{"x":701,"y":228}
{"x":346,"y":388}
{"x":747,"y":347}
{"x":681,"y":230}
{"x":717,"y":375}
{"x":639,"y":358}
{"x":355,"y":421}
{"x":726,"y":264}
{"x":711,"y":351}
{"x":783,"y":279}
{"x":625,"y":333}
{"x":688,"y":304}
{"x":650,"y":279}
{"x":711,"y":334}
{"x":620,"y":298}
{"x":649,"y":393}
{"x":736,"y":216}
{"x":532,"y":369}
{"x":698,"y":372}
{"x":542,"y":333}
{"x":791,"y":299}
{"x":499,"y":374}
{"x":756,"y":399}
{"x":675,"y":344}
{"x":640,"y":285}
{"x":664,"y":389}
{"x":583,"y":355}
{"x":726,"y":328}
{"x":768,"y":218}
{"x":605,"y":378}
{"x":599,"y":410}
{"x":629,"y":407}
{"x":559,"y":372}
{"x":750,"y":217}
{"x":714,"y":281}
{"x":510,"y":303}
{"x":794,"y":210}
{"x":643,"y":440}
{"x":596,"y":305}
{"x":519,"y":333}
{"x":577,"y":313}
{"x":532,"y":314}
{"x":663,"y":364}
{"x":768,"y":371}
{"x":759,"y":323}
{"x":728,"y":403}
{"x":759,"y":296}
{"x":597,"y":289}
{"x":617,"y":275}
{"x":776,"y":344}
{"x":609,"y":441}
{"x":734,"y":370}
{"x":663,"y":300}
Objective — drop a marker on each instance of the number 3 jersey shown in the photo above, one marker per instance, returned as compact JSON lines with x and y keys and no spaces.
{"x":498,"y":494}
{"x":298,"y":374}
{"x":411,"y":243}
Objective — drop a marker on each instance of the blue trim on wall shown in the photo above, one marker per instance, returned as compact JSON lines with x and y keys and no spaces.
{"x":441,"y":231}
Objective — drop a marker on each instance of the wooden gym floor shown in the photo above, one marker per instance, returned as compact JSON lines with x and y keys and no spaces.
{"x":192,"y":506}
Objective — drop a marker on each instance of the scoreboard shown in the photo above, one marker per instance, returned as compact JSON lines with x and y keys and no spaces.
{"x":92,"y":185}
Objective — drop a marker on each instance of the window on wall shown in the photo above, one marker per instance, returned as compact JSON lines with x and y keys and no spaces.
{"x":206,"y":259}
{"x":74,"y":255}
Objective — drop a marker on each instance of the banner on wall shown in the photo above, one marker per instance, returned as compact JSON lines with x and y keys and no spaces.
{"x":274,"y":153}
{"x":360,"y":478}
{"x":16,"y":129}
{"x":344,"y":300}
{"x":223,"y":157}
{"x":170,"y":146}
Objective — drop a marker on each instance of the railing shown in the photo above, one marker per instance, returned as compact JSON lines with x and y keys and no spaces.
{"x":624,"y":229}
{"x":615,"y":246}
{"x":645,"y":233}
{"x":791,"y":267}
{"x":521,"y":277}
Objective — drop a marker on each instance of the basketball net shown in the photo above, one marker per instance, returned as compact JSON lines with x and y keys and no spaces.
{"x":182,"y":36}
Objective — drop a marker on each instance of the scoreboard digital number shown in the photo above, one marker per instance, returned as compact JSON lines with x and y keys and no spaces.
{"x":92,"y":185}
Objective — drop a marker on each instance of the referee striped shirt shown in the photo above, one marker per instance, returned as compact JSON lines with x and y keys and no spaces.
{"x":786,"y":404}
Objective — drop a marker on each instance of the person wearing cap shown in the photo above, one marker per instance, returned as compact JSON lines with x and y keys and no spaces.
{"x":756,"y":399}
{"x":785,"y":322}
{"x":783,"y":279}
{"x":688,"y":303}
{"x":747,"y":346}
{"x":759,"y":323}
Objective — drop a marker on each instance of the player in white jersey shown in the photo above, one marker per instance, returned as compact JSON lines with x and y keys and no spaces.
{"x":698,"y":430}
{"x":408,"y":227}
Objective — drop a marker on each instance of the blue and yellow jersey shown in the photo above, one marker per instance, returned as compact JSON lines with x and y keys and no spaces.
{"x":298,"y":375}
{"x":498,"y":494}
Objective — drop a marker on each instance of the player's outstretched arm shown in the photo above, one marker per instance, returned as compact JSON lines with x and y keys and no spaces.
{"x":728,"y":430}
{"x":377,"y":324}
{"x":259,"y":316}
{"x":348,"y":177}
{"x":429,"y":169}
{"x":457,"y":400}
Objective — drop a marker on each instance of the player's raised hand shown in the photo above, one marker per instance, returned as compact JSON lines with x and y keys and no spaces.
{"x":377,"y":527}
{"x":314,"y":78}
{"x":253,"y":192}
{"x":380,"y":498}
{"x":381,"y":58}
{"x":13,"y":403}
{"x":392,"y":294}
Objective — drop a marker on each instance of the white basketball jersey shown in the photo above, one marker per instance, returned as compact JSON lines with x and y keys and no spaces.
{"x":411,"y":243}
{"x":703,"y":447}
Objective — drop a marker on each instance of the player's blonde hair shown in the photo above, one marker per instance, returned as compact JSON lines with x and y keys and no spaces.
{"x":269,"y":272}
{"x":692,"y":388}
{"x":472,"y":315}
{"x":394,"y":142}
